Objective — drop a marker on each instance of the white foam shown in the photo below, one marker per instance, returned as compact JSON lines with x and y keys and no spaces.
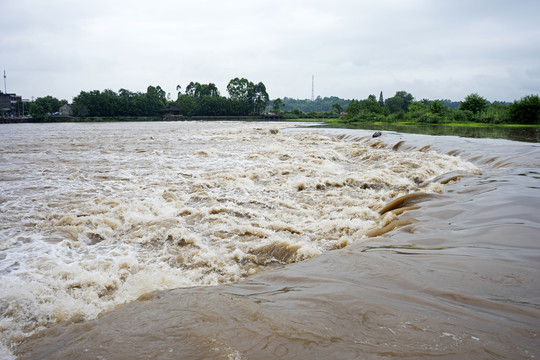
{"x":96,"y":220}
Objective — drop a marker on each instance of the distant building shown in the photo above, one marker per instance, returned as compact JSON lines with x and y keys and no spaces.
{"x":9,"y":103}
{"x":65,"y":110}
{"x":5,"y":102}
{"x":14,"y":98}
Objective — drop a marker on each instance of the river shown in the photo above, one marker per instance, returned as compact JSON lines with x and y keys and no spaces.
{"x":242,"y":240}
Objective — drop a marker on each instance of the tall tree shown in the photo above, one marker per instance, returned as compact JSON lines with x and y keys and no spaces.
{"x":474,"y":103}
{"x":198,"y":90}
{"x":178,"y":91}
{"x":191,"y":88}
{"x":259,"y":98}
{"x":238,"y":89}
{"x":399,"y":102}
{"x":337,"y":108}
{"x":354,"y":108}
{"x":253,"y":98}
{"x":156,"y":99}
{"x":526,"y":110}
{"x":276,"y":106}
{"x":43,"y":107}
{"x":371,"y":106}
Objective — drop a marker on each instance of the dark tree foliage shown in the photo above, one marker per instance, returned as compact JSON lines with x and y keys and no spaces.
{"x":451,"y":104}
{"x":42,"y":108}
{"x":277,"y":104}
{"x":249,"y":98}
{"x":354,"y":108}
{"x":399,"y":102}
{"x":366,"y":110}
{"x":337,"y":108}
{"x":320,"y":104}
{"x":200,"y":90}
{"x":126,"y":103}
{"x":526,"y":110}
{"x":473,"y":109}
{"x":246,"y":98}
{"x":474,"y":103}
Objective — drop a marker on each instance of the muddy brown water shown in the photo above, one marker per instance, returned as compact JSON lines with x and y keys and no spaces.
{"x":237,"y":241}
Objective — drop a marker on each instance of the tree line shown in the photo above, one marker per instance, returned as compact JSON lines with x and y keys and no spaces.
{"x":248,"y":98}
{"x":402,"y":107}
{"x":317,"y":105}
{"x":245,"y":98}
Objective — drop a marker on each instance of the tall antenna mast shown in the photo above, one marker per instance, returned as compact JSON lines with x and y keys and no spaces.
{"x":312,"y":87}
{"x":5,"y":88}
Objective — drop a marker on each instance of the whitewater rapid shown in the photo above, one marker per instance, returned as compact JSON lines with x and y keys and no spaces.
{"x":96,"y":215}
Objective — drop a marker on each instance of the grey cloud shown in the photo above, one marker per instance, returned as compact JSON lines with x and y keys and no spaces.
{"x":354,"y":48}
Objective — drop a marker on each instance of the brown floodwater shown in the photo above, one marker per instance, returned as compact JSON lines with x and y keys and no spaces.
{"x":264,"y":241}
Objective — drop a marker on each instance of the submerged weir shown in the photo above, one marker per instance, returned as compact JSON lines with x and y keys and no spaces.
{"x":99,"y":215}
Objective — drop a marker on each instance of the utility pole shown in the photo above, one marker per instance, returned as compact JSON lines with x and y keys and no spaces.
{"x":312,"y":87}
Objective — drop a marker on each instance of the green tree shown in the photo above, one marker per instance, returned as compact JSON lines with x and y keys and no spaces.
{"x":371,"y":106}
{"x":126,"y":103}
{"x":474,"y":103}
{"x":188,"y":104}
{"x":337,"y":108}
{"x":129,"y":103}
{"x":526,"y":110}
{"x":199,"y":90}
{"x":109,"y":102}
{"x":399,"y":102}
{"x":276,"y":105}
{"x":249,"y":97}
{"x":87,"y":103}
{"x":258,"y":97}
{"x":417,"y":106}
{"x":37,"y":111}
{"x":318,"y":105}
{"x":42,"y":108}
{"x":191,"y":89}
{"x":437,"y":107}
{"x":238,"y":89}
{"x":156,"y":99}
{"x":354,"y":109}
{"x":212,"y":106}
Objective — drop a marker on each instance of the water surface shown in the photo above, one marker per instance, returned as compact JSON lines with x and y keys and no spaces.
{"x":517,"y":133}
{"x":112,"y":234}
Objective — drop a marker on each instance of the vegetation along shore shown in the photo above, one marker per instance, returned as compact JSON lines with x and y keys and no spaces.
{"x":248,"y":100}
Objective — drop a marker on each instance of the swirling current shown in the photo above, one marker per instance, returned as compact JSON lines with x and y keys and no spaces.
{"x":95,"y":216}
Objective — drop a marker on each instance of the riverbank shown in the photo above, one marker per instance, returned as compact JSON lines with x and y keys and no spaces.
{"x":59,"y":119}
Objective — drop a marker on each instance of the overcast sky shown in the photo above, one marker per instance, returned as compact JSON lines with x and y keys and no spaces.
{"x":435,"y":49}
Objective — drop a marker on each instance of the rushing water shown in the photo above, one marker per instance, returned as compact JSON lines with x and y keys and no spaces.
{"x":321,"y":243}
